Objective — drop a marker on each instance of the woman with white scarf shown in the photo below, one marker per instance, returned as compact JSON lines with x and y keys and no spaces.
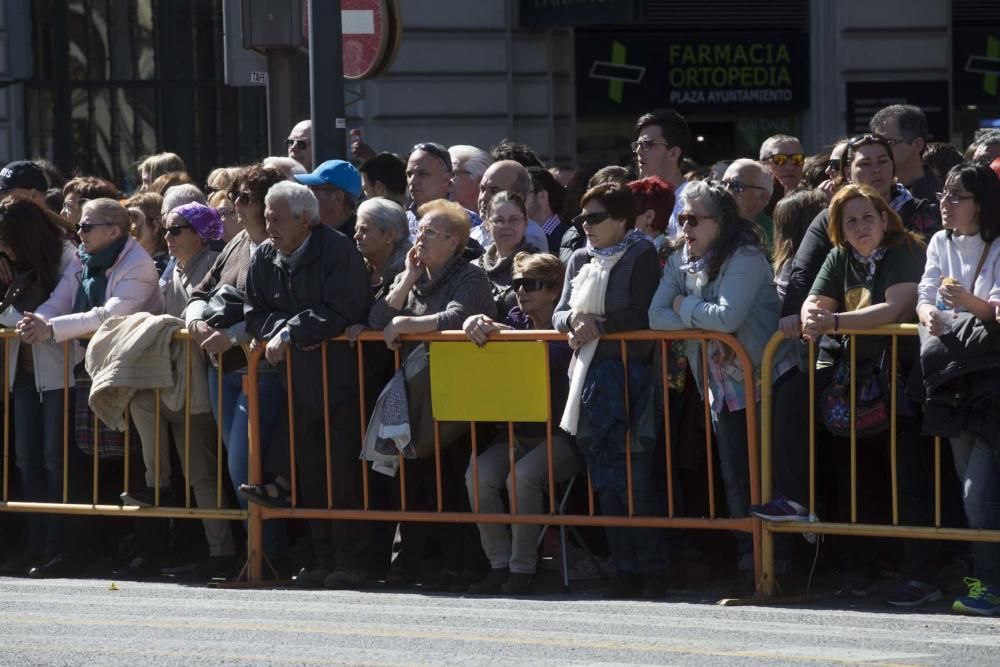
{"x":718,"y":278}
{"x":608,"y":288}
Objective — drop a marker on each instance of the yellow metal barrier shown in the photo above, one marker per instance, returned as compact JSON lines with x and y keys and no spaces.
{"x":94,"y":507}
{"x":853,"y":528}
{"x":258,"y":513}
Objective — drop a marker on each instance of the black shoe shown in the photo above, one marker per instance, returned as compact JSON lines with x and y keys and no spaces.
{"x":518,"y":583}
{"x":213,"y":567}
{"x":400,"y":577}
{"x":442,"y":583}
{"x":623,"y":587}
{"x":464,"y":580}
{"x":60,"y":566}
{"x":313,"y":577}
{"x":274,"y":494}
{"x":344,"y":578}
{"x":492,"y":583}
{"x":18,"y":564}
{"x":654,"y":587}
{"x":146,"y":498}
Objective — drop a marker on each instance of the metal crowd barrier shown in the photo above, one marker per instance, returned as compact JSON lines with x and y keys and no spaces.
{"x":78,"y":505}
{"x":853,"y":528}
{"x":258,"y":513}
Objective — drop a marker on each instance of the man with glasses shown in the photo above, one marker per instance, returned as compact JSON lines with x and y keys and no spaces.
{"x":337,"y":186}
{"x":428,"y":177}
{"x":299,"y":144}
{"x":783,"y":156}
{"x":662,"y":140}
{"x":750,"y":184}
{"x":905,"y":126}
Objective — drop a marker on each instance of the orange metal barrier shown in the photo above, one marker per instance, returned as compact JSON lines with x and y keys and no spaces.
{"x":78,"y":505}
{"x":258,"y":513}
{"x":935,"y":532}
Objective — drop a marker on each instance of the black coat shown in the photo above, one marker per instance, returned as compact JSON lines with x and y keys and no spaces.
{"x":960,"y":386}
{"x":317,"y":297}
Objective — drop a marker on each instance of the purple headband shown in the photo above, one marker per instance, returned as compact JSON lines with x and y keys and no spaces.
{"x":204,"y":219}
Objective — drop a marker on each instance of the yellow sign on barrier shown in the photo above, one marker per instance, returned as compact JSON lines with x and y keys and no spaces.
{"x":498,"y":382}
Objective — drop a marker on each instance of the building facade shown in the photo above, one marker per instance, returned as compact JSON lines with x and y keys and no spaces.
{"x":97,"y":84}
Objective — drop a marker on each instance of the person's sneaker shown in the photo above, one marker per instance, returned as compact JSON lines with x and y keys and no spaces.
{"x":982,"y":600}
{"x":145,"y":497}
{"x":491,"y":584}
{"x":913,"y":594}
{"x":780,"y":509}
{"x":344,"y":578}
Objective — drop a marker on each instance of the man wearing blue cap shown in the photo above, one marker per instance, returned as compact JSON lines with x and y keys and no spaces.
{"x":337,"y":186}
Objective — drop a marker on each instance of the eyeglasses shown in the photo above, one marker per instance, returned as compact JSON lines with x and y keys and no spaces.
{"x":87,"y":227}
{"x":175,"y":230}
{"x":738,"y":187}
{"x":502,"y":222}
{"x":896,"y":142}
{"x":225,"y":212}
{"x":646,"y":144}
{"x":951,"y":197}
{"x":691,"y":220}
{"x":297,"y":143}
{"x":245,"y":196}
{"x":591,"y":219}
{"x":430,"y":233}
{"x":779,"y":159}
{"x":437,"y":150}
{"x":834,"y":164}
{"x":528,"y":284}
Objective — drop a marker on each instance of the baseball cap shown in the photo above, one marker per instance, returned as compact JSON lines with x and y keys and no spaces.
{"x":23,"y":174}
{"x":338,"y":173}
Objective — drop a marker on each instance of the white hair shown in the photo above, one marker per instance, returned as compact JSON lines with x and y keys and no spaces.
{"x":300,"y":199}
{"x":767,"y":148}
{"x":474,"y":160}
{"x":387,"y":215}
{"x":179,"y":195}
{"x":286,"y":165}
{"x":761,"y":177}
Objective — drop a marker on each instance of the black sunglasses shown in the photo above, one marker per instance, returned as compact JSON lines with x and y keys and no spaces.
{"x":591,"y":218}
{"x":691,"y":220}
{"x":438,"y":151}
{"x":87,"y":227}
{"x":833,"y":164}
{"x":297,"y":143}
{"x":529,"y":284}
{"x":175,"y":230}
{"x":738,"y":187}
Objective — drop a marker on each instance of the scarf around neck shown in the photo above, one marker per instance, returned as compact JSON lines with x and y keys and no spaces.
{"x":94,"y":279}
{"x":871,"y":262}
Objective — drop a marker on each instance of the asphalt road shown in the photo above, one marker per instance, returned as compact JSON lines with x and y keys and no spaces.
{"x":82,"y":622}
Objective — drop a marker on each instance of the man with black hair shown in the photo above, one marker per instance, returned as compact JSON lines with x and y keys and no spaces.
{"x":546,"y":203}
{"x":905,"y":126}
{"x":384,"y":175}
{"x":510,"y":150}
{"x":662,"y":140}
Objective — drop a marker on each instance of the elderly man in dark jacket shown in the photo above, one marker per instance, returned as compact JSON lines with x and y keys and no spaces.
{"x":306,"y":285}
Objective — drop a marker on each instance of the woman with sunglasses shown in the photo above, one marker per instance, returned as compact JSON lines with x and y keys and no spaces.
{"x":868,"y":160}
{"x":868,"y":280}
{"x":834,"y":170}
{"x":963,"y":274}
{"x":221,"y":340}
{"x":609,"y":284}
{"x":537,"y":282}
{"x":507,"y":219}
{"x":718,"y":278}
{"x":46,"y":278}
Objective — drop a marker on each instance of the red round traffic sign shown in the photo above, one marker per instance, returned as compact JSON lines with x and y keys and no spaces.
{"x":366,"y":36}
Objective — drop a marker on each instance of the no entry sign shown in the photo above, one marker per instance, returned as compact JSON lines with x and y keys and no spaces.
{"x":370,"y":36}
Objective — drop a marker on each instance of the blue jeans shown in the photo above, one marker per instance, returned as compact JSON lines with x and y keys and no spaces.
{"x":731,"y":432}
{"x":636,"y":550}
{"x":38,"y":445}
{"x":978,"y":467}
{"x":235,"y":426}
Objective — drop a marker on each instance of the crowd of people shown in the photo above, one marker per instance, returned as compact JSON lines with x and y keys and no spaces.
{"x":881,"y":228}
